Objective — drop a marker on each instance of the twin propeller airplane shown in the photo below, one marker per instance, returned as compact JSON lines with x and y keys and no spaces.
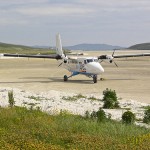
{"x":88,"y":66}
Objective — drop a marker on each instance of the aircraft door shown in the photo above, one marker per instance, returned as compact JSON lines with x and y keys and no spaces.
{"x":81,"y":66}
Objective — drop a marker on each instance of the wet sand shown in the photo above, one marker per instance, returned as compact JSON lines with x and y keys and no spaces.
{"x":131,"y":79}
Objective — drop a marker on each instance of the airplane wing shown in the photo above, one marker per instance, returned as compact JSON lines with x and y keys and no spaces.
{"x":54,"y":56}
{"x":132,"y":55}
{"x":59,"y":53}
{"x":110,"y":58}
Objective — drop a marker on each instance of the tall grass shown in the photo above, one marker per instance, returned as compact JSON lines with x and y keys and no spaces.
{"x":31,"y":129}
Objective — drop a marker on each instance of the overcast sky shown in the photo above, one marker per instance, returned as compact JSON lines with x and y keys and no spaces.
{"x":36,"y":22}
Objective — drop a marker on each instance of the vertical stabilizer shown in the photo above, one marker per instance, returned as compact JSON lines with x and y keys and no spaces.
{"x":58,"y":45}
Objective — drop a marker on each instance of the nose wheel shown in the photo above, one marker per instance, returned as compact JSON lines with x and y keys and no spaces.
{"x":65,"y":78}
{"x":95,"y":78}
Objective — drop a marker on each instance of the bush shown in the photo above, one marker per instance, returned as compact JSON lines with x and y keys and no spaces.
{"x":146,"y":118}
{"x":11,"y":98}
{"x":87,"y":114}
{"x":128,"y":117}
{"x":93,"y":115}
{"x":101,"y":116}
{"x":110,"y":99}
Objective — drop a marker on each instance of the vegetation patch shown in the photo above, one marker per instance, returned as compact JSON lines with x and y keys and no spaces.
{"x":32,"y":129}
{"x":110,"y":99}
{"x":92,"y":98}
{"x":73,"y":98}
{"x":11,"y":98}
{"x":128,"y":117}
{"x":38,"y":98}
{"x":146,"y":118}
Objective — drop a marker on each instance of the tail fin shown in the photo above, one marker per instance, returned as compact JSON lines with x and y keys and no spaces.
{"x":59,"y":50}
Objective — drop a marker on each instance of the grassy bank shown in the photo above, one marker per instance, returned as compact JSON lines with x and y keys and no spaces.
{"x":26,"y":50}
{"x":32,"y":129}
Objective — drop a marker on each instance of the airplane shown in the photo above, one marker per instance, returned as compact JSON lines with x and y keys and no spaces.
{"x":78,"y":65}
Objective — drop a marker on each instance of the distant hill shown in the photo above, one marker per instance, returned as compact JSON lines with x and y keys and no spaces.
{"x":92,"y":47}
{"x":12,"y":48}
{"x":142,"y":46}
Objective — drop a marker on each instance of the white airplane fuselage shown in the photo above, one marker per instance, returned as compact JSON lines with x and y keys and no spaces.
{"x":84,"y":65}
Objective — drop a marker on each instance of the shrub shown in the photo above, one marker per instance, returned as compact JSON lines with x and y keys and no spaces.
{"x":110,"y":99}
{"x":87,"y":114}
{"x":93,"y":115}
{"x":11,"y":98}
{"x":101,"y":116}
{"x":146,"y":118}
{"x":128,"y":117}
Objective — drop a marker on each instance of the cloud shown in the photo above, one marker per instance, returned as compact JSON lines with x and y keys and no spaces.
{"x":53,"y":10}
{"x":11,"y":21}
{"x":36,"y":8}
{"x":115,"y":5}
{"x":18,"y":2}
{"x":76,"y":18}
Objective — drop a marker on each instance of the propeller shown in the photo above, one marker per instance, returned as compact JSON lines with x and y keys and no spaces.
{"x":109,"y":58}
{"x":112,"y":60}
{"x":65,"y":58}
{"x":60,"y":64}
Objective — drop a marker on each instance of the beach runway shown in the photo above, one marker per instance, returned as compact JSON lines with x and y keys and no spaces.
{"x":130,"y":80}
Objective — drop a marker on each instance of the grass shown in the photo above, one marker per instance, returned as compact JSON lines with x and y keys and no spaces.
{"x":73,"y":98}
{"x":92,"y":98}
{"x":38,"y":98}
{"x":32,"y":129}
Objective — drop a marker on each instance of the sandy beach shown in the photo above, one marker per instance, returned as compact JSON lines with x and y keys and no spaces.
{"x":38,"y":83}
{"x":131,"y":80}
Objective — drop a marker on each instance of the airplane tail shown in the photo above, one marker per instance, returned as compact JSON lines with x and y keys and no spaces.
{"x":59,"y":50}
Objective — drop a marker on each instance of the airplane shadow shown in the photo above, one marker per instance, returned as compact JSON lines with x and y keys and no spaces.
{"x":120,"y":79}
{"x":57,"y":79}
{"x":48,"y":80}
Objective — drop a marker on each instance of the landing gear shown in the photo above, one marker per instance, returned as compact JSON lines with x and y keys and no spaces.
{"x":65,"y":78}
{"x":95,"y":78}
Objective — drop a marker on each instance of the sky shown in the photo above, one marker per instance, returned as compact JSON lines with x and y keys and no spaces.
{"x":36,"y":22}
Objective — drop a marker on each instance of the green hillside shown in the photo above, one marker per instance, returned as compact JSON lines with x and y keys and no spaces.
{"x":32,"y":129}
{"x":142,"y":46}
{"x":11,"y":48}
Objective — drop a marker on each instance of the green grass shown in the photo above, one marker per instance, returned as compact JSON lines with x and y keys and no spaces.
{"x":32,"y":129}
{"x":73,"y":98}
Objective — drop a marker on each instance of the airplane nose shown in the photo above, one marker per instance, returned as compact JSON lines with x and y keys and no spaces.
{"x":99,"y":68}
{"x":95,"y":68}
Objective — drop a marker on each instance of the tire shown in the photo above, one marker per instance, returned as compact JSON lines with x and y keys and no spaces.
{"x":95,"y":78}
{"x":65,"y":78}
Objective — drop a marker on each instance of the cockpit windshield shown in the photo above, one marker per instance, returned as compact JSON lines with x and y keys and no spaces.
{"x":92,"y":60}
{"x":89,"y":60}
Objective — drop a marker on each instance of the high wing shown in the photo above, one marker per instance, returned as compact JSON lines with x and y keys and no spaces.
{"x":54,"y":56}
{"x":110,"y":58}
{"x":132,"y":55}
{"x":59,"y":52}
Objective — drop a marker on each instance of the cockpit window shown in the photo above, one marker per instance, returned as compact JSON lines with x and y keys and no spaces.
{"x":96,"y":60}
{"x":89,"y":60}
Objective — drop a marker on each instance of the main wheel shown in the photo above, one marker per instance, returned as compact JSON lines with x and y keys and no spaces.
{"x":95,"y":78}
{"x":65,"y":78}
